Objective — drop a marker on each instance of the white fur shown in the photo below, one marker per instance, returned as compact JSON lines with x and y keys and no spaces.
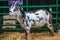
{"x":42,"y":14}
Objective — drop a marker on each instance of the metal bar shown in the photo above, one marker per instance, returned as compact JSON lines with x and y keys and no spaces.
{"x":18,"y":29}
{"x":7,"y":13}
{"x":3,"y":0}
{"x":7,"y":19}
{"x":57,"y":11}
{"x":26,"y":5}
{"x":4,"y":6}
{"x":20,"y":25}
{"x":15,"y":19}
{"x":3,"y":14}
{"x":34,"y":6}
{"x":10,"y":24}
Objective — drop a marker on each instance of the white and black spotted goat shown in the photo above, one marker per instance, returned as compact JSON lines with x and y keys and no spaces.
{"x":40,"y":18}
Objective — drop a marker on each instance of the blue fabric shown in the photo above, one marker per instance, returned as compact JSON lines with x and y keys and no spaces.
{"x":13,"y":1}
{"x":21,"y":2}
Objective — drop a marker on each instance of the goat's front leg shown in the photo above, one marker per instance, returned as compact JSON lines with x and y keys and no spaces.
{"x":20,"y":20}
{"x":27,"y":24}
{"x":27,"y":28}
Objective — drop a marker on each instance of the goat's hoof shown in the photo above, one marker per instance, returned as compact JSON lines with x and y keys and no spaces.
{"x":52,"y":35}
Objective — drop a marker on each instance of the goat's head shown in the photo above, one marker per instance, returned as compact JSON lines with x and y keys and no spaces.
{"x":14,"y":10}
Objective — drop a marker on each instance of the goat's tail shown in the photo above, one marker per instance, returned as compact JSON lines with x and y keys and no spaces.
{"x":50,"y":9}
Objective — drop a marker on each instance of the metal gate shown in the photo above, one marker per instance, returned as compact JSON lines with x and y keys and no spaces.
{"x":27,"y":6}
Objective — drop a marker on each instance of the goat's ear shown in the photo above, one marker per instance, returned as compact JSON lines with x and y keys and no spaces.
{"x":50,"y":9}
{"x":15,"y":3}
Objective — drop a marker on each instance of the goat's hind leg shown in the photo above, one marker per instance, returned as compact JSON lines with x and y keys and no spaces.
{"x":49,"y":25}
{"x":51,"y":29}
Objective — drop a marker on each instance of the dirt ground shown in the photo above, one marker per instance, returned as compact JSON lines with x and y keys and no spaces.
{"x":44,"y":35}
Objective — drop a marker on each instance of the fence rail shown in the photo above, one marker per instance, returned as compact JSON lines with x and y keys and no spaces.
{"x":3,"y":0}
{"x":33,"y":6}
{"x":8,"y":13}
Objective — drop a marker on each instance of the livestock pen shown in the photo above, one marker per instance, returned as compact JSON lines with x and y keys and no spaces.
{"x":37,"y":33}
